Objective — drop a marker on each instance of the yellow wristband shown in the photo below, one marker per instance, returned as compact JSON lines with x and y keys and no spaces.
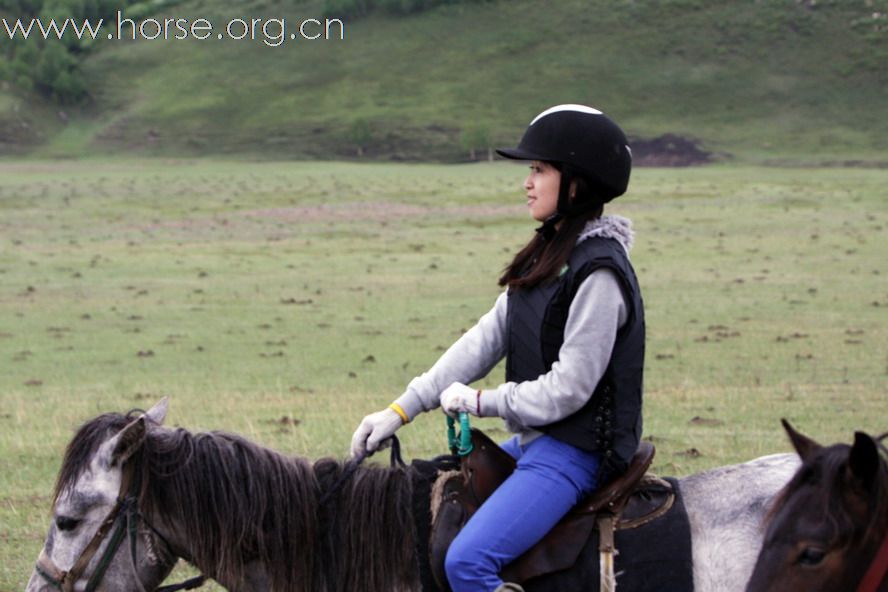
{"x":397,"y":409}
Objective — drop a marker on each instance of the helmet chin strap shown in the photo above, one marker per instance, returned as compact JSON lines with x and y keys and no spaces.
{"x":565,"y":207}
{"x":548,"y":230}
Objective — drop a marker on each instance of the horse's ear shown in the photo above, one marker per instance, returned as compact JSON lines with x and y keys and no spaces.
{"x":804,"y":445}
{"x":129,"y":440}
{"x":158,"y":413}
{"x":863,"y":460}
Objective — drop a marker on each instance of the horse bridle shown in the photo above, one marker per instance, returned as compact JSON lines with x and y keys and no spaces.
{"x":878,"y":569}
{"x":123,"y":518}
{"x":125,"y":515}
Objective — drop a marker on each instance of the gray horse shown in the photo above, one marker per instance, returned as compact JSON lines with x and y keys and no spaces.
{"x":133,"y":497}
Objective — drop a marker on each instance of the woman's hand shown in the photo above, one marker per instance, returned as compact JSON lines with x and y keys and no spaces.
{"x":374,"y":430}
{"x":458,"y":398}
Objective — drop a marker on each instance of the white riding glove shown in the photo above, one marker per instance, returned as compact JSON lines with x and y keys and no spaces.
{"x":373,"y":430}
{"x":458,"y":398}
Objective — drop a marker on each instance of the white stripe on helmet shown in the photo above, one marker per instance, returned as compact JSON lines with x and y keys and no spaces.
{"x":566,"y":107}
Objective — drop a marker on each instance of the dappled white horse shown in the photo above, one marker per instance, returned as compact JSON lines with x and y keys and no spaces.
{"x":133,"y":497}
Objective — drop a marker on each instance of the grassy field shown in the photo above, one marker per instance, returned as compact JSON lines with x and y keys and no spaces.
{"x":284,"y":301}
{"x":762,"y":81}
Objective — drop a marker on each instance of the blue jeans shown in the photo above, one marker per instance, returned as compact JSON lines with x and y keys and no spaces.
{"x":551,"y":477}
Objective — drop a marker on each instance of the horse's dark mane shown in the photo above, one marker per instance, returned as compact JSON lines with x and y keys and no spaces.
{"x":369,"y":530}
{"x":237,"y":502}
{"x":828,"y":468}
{"x":84,"y":445}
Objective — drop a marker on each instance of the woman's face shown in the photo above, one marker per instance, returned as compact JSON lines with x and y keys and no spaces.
{"x":542,"y":186}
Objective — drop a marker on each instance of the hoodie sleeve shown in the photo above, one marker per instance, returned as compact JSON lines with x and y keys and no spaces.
{"x":470,"y":358}
{"x":596,"y":314}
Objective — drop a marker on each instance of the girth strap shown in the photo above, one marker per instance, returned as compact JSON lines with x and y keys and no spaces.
{"x":606,"y":551}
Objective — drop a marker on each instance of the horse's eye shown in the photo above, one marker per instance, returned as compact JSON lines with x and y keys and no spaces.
{"x":67,"y":523}
{"x":811,"y":556}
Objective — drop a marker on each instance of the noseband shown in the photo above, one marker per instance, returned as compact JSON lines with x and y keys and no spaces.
{"x":123,"y":518}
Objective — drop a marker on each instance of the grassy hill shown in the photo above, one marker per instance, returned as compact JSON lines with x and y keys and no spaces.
{"x":761,"y":81}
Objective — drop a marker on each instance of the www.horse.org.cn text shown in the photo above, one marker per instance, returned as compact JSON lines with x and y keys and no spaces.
{"x":273,"y":32}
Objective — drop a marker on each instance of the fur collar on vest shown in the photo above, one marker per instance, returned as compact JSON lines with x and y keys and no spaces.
{"x":615,"y":227}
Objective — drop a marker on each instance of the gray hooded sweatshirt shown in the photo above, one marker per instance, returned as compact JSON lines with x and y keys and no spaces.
{"x":596,"y":314}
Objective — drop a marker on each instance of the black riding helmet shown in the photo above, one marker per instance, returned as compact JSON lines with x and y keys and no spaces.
{"x":579,"y":140}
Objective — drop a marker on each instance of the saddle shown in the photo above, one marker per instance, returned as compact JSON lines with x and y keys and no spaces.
{"x":629,"y":501}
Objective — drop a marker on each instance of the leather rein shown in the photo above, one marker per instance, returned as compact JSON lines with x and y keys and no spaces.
{"x":877,"y":571}
{"x":123,"y":519}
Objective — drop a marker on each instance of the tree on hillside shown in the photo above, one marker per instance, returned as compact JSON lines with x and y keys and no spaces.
{"x":360,"y":135}
{"x":474,"y":138}
{"x":51,"y":67}
{"x":57,"y":76}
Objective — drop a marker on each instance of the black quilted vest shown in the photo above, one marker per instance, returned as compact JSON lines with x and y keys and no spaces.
{"x":610,"y":422}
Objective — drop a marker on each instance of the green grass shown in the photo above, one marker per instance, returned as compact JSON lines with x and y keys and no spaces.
{"x":772,"y":81}
{"x":263,"y":292}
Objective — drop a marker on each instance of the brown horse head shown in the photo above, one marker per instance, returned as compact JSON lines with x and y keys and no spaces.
{"x":826,"y":525}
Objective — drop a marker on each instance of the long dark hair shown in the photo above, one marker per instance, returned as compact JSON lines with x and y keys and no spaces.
{"x":541,"y":259}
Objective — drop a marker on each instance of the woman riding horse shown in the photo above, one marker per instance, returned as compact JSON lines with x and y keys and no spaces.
{"x":571,"y":327}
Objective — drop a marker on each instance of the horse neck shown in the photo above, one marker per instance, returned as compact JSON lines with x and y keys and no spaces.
{"x":226,"y":504}
{"x":247,"y":511}
{"x":368,"y":530}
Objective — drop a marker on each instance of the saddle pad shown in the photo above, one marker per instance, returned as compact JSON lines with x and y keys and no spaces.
{"x":424,"y":474}
{"x":654,"y":557}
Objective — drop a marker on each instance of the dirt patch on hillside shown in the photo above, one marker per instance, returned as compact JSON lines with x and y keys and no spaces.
{"x":668,"y":150}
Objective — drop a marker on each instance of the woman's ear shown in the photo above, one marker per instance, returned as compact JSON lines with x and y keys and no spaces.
{"x":573,"y":189}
